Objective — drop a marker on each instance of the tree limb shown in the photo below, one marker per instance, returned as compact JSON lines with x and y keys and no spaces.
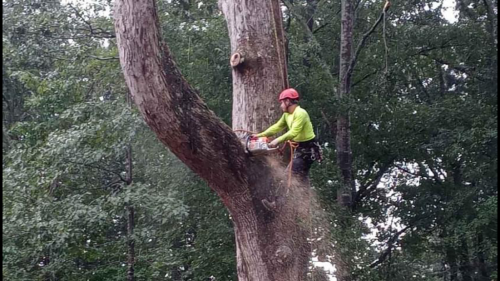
{"x":93,"y":31}
{"x":104,"y":58}
{"x":363,"y":41}
{"x":364,"y":78}
{"x":409,"y":172}
{"x":310,"y":35}
{"x":371,"y":185}
{"x":171,"y":107}
{"x":98,"y":167}
{"x":320,"y":27}
{"x":461,"y":68}
{"x":330,"y":124}
{"x":390,"y":245}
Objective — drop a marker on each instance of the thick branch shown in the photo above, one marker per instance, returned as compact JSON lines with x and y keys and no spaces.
{"x":170,"y":106}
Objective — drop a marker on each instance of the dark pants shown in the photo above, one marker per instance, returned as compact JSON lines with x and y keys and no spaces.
{"x":305,"y":154}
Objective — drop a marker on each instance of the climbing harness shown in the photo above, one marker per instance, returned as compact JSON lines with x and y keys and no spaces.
{"x":256,"y":146}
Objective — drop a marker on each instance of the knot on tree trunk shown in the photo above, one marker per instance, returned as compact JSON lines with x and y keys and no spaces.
{"x":237,"y":59}
{"x":283,"y":254}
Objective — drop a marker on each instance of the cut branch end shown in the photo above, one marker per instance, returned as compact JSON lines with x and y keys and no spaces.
{"x":237,"y":59}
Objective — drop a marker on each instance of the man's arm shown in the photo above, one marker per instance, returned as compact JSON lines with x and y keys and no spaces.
{"x":298,"y":124}
{"x":274,"y":129}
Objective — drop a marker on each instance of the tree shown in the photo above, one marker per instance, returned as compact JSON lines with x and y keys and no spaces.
{"x":271,"y":244}
{"x":343,"y":138}
{"x":423,"y":136}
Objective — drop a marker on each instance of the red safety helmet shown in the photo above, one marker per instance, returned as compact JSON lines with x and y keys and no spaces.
{"x":289,"y":94}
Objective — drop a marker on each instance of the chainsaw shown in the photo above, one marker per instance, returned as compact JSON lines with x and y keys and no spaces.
{"x":258,"y":146}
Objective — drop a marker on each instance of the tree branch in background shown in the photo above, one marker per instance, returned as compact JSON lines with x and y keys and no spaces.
{"x":104,"y":58}
{"x":320,"y":27}
{"x":310,"y":35}
{"x":461,"y":68}
{"x":365,"y":37}
{"x":409,"y":172}
{"x":390,"y":245}
{"x":364,"y":78}
{"x":371,"y":184}
{"x":331,"y":124}
{"x":93,"y":31}
{"x":99,"y":168}
{"x":492,"y":23}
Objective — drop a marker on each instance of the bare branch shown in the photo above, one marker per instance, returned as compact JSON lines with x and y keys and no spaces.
{"x":410,"y":172}
{"x":372,"y":184}
{"x":320,"y":27}
{"x":363,"y":41}
{"x":104,"y":58}
{"x":331,"y":124}
{"x":93,"y":31}
{"x":98,"y":167}
{"x":364,"y":78}
{"x":461,"y":68}
{"x":390,"y":245}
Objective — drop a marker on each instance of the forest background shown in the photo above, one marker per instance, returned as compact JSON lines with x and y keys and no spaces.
{"x":77,"y":155}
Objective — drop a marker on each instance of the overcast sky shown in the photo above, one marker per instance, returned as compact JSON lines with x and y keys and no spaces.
{"x":449,"y":12}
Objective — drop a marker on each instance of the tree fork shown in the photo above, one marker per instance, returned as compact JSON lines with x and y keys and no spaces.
{"x":271,"y":246}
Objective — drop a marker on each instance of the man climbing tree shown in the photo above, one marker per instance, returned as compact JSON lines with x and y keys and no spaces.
{"x":300,"y":133}
{"x":300,"y":136}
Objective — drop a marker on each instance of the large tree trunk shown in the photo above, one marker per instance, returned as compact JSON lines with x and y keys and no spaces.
{"x":346,"y":193}
{"x":343,"y":138}
{"x":258,"y":60}
{"x":271,"y":244}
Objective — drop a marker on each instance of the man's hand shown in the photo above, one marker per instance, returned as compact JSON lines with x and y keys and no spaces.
{"x":273,"y":144}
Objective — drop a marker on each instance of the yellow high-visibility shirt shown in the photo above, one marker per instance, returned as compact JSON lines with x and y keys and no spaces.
{"x":299,"y":126}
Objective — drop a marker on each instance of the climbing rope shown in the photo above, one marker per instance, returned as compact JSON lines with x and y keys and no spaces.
{"x":293,"y":146}
{"x":279,"y":48}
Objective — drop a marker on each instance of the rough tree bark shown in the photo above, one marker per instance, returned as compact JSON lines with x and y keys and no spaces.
{"x":271,"y":244}
{"x":343,"y":137}
{"x":258,"y":60}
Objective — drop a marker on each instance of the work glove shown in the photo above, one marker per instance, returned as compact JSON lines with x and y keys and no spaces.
{"x":274,"y":143}
{"x":253,"y":136}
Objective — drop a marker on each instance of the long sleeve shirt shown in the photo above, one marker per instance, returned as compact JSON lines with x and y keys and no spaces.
{"x":299,"y":126}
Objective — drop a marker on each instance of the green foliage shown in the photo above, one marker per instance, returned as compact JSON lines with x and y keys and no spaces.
{"x":429,"y":123}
